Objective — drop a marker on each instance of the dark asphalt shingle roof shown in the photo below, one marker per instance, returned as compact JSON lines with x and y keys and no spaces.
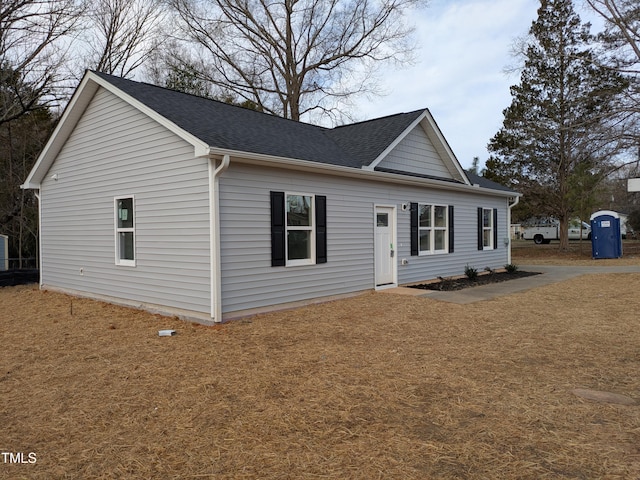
{"x":365,"y":141}
{"x":486,"y":183}
{"x":235,"y":128}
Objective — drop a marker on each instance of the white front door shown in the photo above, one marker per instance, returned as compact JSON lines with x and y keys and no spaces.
{"x":384,"y":245}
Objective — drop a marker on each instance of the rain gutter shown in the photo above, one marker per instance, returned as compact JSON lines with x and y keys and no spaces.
{"x":214,"y":234}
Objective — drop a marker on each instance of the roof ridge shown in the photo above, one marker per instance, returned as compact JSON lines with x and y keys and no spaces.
{"x":271,"y":115}
{"x":234,"y":127}
{"x":420,"y":110}
{"x":299,"y":122}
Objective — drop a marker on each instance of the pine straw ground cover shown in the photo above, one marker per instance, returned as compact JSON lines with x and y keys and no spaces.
{"x":578,"y":254}
{"x":376,"y":386}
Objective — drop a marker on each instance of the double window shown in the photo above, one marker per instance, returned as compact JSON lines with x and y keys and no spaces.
{"x":431,"y":228}
{"x":125,"y":231}
{"x":298,"y":229}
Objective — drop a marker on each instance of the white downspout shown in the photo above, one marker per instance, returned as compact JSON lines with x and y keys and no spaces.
{"x":214,"y":235}
{"x":517,"y":200}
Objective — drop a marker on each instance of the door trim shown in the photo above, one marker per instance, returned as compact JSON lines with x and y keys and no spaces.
{"x":394,"y":236}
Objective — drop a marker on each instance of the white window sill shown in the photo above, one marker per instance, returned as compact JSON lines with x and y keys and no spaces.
{"x":126,"y":263}
{"x":299,"y":263}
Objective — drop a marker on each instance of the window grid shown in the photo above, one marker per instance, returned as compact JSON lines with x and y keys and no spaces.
{"x":487,"y":228}
{"x":300,"y":229}
{"x":433,"y":229}
{"x":125,"y":232}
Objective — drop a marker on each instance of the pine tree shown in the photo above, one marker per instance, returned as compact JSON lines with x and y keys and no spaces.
{"x":560,"y":118}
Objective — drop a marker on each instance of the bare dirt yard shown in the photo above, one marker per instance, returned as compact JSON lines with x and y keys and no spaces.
{"x":377,"y":386}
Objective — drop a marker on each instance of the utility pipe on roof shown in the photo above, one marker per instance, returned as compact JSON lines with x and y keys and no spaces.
{"x":511,"y":205}
{"x":214,"y":235}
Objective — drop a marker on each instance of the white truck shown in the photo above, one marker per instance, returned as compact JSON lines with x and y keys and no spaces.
{"x":544,"y":232}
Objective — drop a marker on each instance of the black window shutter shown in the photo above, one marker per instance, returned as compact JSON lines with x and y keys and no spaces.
{"x":321,"y":229}
{"x":495,"y":228}
{"x":414,"y":229}
{"x":480,"y":225}
{"x":450,"y":228}
{"x":277,"y":229}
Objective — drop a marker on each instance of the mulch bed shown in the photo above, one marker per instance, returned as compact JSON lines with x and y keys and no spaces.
{"x":452,"y":284}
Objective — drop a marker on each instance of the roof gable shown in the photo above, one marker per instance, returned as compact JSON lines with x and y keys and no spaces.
{"x":417,"y":154}
{"x":76,"y":107}
{"x":213,"y":126}
{"x":235,"y":128}
{"x":423,"y":129}
{"x":366,"y":141}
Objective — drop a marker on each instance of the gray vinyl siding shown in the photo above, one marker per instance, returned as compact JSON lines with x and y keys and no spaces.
{"x":249,"y":280}
{"x":115,"y":150}
{"x":416,"y":154}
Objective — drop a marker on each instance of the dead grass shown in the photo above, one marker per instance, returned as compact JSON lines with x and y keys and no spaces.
{"x":579,"y":254}
{"x":377,"y":386}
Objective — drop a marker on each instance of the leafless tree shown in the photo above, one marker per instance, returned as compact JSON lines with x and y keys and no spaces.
{"x":622,"y":19}
{"x":121,"y":35}
{"x":35,"y":36}
{"x":621,"y":40}
{"x":295,"y":57}
{"x":32,"y":35}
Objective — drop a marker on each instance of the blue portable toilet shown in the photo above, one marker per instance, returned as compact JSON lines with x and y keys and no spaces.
{"x":606,"y":238}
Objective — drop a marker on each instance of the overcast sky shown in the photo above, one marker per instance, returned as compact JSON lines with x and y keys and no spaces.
{"x":465,"y":46}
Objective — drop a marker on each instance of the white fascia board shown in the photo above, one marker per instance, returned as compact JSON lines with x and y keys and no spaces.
{"x":444,"y":145}
{"x":200,"y":148}
{"x":393,"y":144}
{"x":72,"y":113}
{"x":372,"y":175}
{"x":434,"y":133}
{"x":77,"y":105}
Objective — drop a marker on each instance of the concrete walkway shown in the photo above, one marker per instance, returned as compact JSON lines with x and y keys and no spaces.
{"x":548,"y":275}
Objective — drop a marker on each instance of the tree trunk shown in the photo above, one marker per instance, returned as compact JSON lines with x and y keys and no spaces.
{"x":564,"y":233}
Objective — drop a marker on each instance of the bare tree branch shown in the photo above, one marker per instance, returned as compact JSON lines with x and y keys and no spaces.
{"x":121,"y":35}
{"x":32,"y":35}
{"x":623,"y":16}
{"x":294,"y":57}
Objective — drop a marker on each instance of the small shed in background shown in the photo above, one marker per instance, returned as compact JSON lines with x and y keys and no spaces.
{"x":4,"y":253}
{"x":606,"y":237}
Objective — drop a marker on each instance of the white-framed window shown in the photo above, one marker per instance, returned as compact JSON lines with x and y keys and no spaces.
{"x":487,"y":228}
{"x":125,"y":230}
{"x":433,"y":229}
{"x":300,"y":229}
